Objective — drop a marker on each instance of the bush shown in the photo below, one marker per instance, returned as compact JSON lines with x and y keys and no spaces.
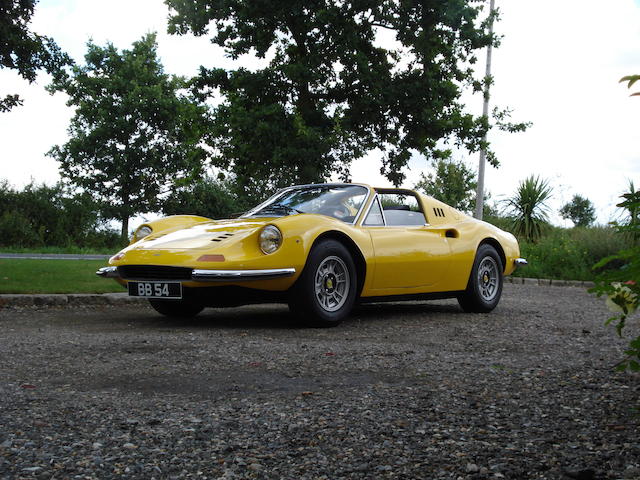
{"x":570,"y":254}
{"x":601,"y":242}
{"x":622,"y":285}
{"x":555,"y":256}
{"x":16,"y":230}
{"x":104,"y":238}
{"x":42,"y":215}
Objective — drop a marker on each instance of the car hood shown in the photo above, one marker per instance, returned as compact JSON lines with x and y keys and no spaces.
{"x":205,"y":235}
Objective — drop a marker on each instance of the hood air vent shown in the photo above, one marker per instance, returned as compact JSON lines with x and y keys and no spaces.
{"x":224,"y":236}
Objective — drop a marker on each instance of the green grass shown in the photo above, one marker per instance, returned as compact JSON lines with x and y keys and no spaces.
{"x":54,"y":276}
{"x":77,"y":250}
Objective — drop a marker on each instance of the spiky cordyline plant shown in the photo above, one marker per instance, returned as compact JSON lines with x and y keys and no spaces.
{"x":528,"y":207}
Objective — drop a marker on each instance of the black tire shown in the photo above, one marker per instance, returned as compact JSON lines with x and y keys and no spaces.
{"x":175,"y":308}
{"x":484,"y":287}
{"x":324,"y":294}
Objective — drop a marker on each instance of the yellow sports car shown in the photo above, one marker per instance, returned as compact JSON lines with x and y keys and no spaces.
{"x":319,"y":248}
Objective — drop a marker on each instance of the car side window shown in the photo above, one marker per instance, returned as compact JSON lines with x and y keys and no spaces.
{"x":374,"y":217}
{"x":402,"y":209}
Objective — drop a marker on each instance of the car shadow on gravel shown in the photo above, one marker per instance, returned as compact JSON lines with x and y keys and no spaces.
{"x":278,"y":317}
{"x":240,"y":318}
{"x":384,"y":311}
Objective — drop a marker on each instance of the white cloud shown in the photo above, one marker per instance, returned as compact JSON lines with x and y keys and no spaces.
{"x":558,"y":67}
{"x":29,"y":131}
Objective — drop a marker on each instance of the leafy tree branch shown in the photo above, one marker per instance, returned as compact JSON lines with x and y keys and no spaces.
{"x":134,"y":136}
{"x":23,"y":50}
{"x":331,"y":91}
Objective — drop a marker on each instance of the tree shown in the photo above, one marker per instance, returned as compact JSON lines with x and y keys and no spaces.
{"x":134,"y":137}
{"x":330,"y":92}
{"x":452,"y":183}
{"x":579,"y":210}
{"x":23,"y":50}
{"x":207,"y":197}
{"x":529,"y":208}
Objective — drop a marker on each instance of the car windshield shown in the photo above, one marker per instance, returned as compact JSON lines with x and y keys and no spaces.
{"x":338,"y":201}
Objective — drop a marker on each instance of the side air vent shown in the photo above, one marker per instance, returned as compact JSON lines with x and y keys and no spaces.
{"x":439,"y":212}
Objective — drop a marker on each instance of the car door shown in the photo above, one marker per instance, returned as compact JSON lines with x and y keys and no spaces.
{"x":408,"y":252}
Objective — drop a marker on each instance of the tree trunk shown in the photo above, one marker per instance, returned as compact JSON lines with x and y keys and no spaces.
{"x":125,"y":227}
{"x":310,"y":170}
{"x":124,"y":195}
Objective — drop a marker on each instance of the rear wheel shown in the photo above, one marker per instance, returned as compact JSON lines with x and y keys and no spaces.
{"x":485,"y":282}
{"x":326,"y":290}
{"x":175,"y":308}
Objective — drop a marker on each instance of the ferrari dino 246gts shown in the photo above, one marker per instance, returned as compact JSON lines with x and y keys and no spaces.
{"x":319,"y":248}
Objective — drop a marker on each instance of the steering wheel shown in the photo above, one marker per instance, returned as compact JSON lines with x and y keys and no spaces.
{"x":336,"y":211}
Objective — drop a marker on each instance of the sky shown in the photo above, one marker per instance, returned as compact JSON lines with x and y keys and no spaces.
{"x":557,"y":67}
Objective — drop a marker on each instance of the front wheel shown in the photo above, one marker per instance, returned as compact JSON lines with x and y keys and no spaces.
{"x":326,"y":290}
{"x":175,"y":308}
{"x":485,"y":282}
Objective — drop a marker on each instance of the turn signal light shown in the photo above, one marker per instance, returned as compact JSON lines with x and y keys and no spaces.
{"x":211,"y":258}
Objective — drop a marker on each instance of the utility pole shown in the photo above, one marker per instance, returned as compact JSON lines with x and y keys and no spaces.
{"x":485,"y":113}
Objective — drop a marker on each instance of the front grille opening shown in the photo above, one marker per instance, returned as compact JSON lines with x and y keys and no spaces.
{"x":154,"y":272}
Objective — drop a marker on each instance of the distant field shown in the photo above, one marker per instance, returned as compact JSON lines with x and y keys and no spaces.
{"x":54,"y":276}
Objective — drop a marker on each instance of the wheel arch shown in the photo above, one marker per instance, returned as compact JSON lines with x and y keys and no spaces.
{"x":496,"y":244}
{"x":354,"y":250}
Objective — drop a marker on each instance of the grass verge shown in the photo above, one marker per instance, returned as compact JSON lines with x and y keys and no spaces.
{"x":569,"y":254}
{"x":71,"y":250}
{"x":54,"y":276}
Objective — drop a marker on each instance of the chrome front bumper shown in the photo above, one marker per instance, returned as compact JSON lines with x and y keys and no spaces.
{"x":214,"y":275}
{"x":108,"y":272}
{"x":520,"y":262}
{"x":233,"y":275}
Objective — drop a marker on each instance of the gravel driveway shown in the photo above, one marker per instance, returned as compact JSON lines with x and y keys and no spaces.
{"x":411,"y":391}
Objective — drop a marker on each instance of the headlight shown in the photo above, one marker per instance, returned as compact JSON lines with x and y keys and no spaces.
{"x":141,"y":232}
{"x":270,"y":239}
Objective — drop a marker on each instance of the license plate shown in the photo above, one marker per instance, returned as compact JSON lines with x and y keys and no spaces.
{"x":155,"y":289}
